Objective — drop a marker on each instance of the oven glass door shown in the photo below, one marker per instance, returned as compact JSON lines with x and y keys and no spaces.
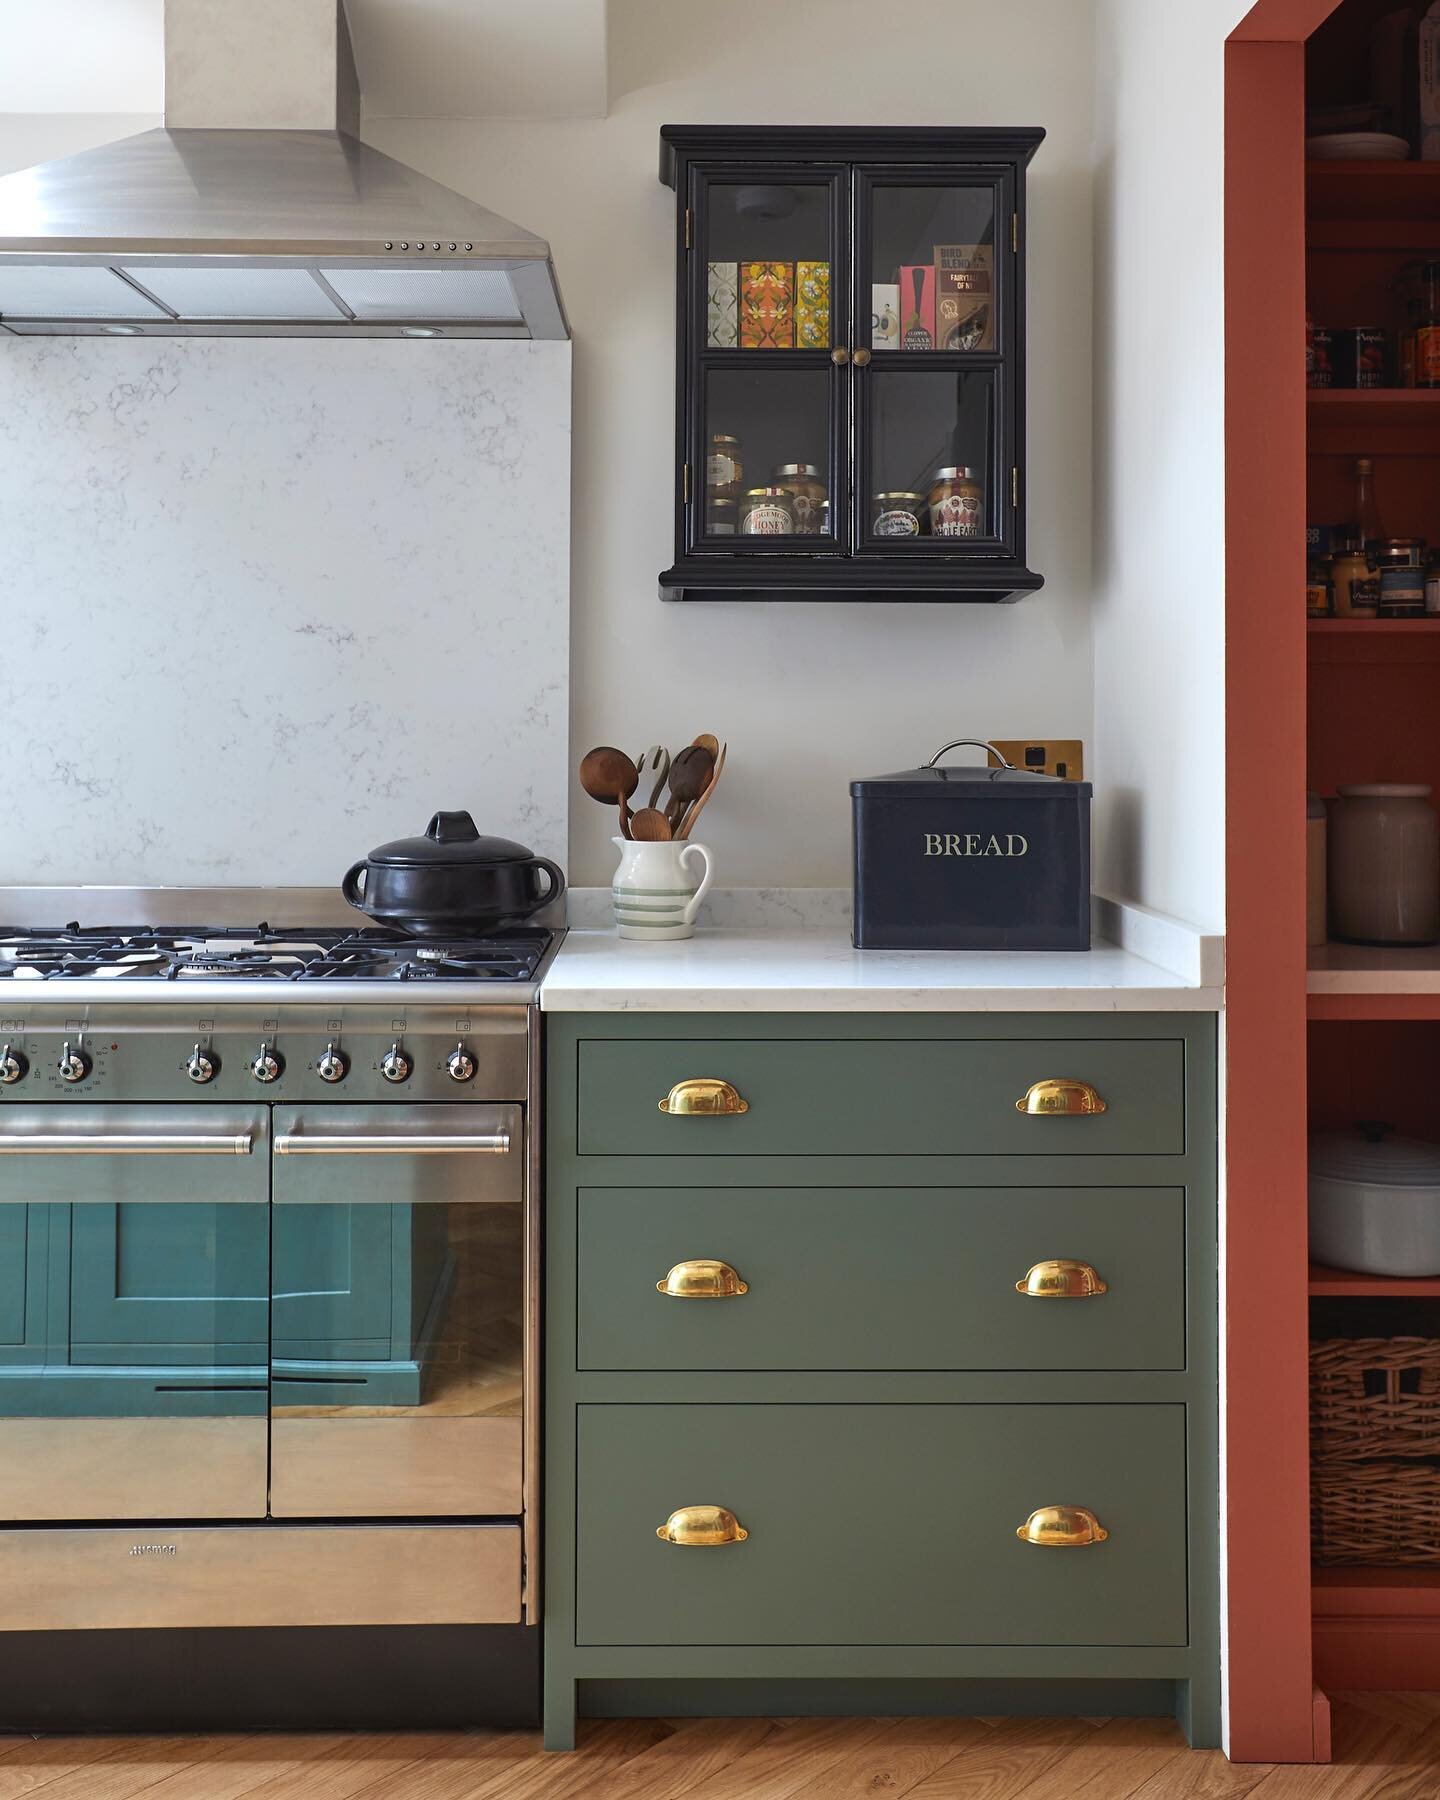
{"x":134,"y":1331}
{"x":397,"y":1311}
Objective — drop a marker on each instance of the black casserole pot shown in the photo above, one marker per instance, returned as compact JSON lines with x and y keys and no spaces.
{"x":452,"y":880}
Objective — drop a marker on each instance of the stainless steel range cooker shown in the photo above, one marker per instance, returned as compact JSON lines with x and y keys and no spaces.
{"x":268,"y":1286}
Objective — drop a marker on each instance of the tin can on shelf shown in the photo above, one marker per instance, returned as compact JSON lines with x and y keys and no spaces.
{"x":1361,"y":356}
{"x":1432,"y":582}
{"x":724,"y":467}
{"x":767,"y":512}
{"x":957,"y":503}
{"x":1400,"y":562}
{"x":808,"y":494}
{"x":1319,"y":595}
{"x":1319,"y":357}
{"x":898,"y":514}
{"x":722,"y":516}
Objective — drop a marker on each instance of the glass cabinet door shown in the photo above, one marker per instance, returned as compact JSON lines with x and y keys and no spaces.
{"x":766,"y":432}
{"x":932,"y":393}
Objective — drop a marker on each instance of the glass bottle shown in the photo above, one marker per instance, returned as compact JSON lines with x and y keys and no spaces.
{"x":1367,"y":512}
{"x":1427,"y":328}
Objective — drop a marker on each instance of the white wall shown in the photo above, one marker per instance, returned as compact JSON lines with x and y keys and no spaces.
{"x":1159,"y":759}
{"x":807,"y":696}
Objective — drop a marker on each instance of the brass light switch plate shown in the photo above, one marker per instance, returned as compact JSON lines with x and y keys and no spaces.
{"x":1064,"y":757}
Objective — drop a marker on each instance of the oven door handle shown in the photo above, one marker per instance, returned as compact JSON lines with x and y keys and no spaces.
{"x":158,"y":1143}
{"x":493,"y":1143}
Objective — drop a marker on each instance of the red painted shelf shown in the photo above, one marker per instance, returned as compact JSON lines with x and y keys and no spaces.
{"x":1373,"y":408}
{"x":1368,"y":192}
{"x":1384,"y":628}
{"x":1343,"y":1284}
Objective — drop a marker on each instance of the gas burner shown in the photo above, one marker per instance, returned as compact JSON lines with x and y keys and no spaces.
{"x":72,"y":952}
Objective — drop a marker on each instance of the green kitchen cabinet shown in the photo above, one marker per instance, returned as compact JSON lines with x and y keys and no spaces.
{"x":822,"y":1367}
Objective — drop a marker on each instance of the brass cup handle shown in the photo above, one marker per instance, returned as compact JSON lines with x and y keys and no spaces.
{"x":1062,"y":1528}
{"x":703,"y":1096}
{"x":860,"y":357}
{"x":1060,"y":1097}
{"x":700,"y":1527}
{"x":1061,"y":1279}
{"x":840,"y":356}
{"x":702,"y":1278}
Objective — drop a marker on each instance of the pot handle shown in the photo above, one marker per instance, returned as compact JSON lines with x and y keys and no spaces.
{"x":350,"y":886}
{"x":557,"y":880}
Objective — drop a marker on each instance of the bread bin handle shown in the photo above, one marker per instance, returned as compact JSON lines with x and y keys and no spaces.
{"x":971,"y":743}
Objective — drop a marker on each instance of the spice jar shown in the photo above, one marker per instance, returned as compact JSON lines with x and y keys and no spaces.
{"x":1384,"y":864}
{"x":1402,"y":578}
{"x":1319,"y":599}
{"x":898,"y":514}
{"x":724,"y":467}
{"x":957,"y":503}
{"x":767,"y":512}
{"x":808,"y":496}
{"x":721,"y":515}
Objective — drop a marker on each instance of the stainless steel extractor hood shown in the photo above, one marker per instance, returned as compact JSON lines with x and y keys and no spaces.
{"x":195,"y":232}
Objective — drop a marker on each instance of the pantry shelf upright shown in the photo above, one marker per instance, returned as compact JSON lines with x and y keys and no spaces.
{"x":850,"y":363}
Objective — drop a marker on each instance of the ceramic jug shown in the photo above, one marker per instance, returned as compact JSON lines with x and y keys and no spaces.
{"x":656,"y":890}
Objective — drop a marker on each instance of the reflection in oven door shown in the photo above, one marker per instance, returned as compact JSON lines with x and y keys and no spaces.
{"x":134,"y":1331}
{"x":397,"y":1330}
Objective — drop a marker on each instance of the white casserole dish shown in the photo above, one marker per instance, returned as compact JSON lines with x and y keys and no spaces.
{"x":1375,"y":1202}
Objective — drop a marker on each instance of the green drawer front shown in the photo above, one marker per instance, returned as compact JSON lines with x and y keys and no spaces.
{"x":881,"y":1525}
{"x":926,"y":1097}
{"x":881,"y":1278}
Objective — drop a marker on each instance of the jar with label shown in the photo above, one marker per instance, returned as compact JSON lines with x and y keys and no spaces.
{"x":808,"y":496}
{"x":898,"y":514}
{"x":1402,"y":578}
{"x":957,"y":503}
{"x":1319,"y":598}
{"x":724,"y":467}
{"x":1383,"y":865}
{"x":767,"y":512}
{"x":721,"y":515}
{"x":1432,"y":582}
{"x":1354,"y":585}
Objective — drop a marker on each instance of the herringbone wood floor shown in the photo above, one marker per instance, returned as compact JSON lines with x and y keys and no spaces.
{"x":1385,"y":1745}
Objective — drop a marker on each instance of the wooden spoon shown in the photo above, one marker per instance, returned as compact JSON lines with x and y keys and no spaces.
{"x":690,"y":774}
{"x":687,"y":824}
{"x":707,"y":741}
{"x":650,"y":826}
{"x":609,"y":776}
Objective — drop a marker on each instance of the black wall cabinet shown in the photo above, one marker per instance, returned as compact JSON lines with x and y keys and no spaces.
{"x":850,"y":336}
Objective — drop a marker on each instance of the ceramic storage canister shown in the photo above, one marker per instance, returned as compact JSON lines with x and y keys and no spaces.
{"x":1375,"y":1202}
{"x":1384,"y":864}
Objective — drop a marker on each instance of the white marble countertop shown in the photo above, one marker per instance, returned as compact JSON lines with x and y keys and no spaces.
{"x":814,"y":968}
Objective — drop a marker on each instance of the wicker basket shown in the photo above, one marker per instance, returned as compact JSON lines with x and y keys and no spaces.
{"x":1381,"y":1512}
{"x":1375,"y":1398}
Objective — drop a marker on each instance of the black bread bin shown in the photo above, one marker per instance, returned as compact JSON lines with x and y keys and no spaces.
{"x":971,"y":858}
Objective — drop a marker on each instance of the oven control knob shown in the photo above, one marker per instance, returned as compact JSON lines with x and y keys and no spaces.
{"x":334,"y":1065}
{"x":13,"y":1067}
{"x":74,"y":1065}
{"x":461,"y":1064}
{"x":203,"y":1066}
{"x":395,"y":1064}
{"x":268,"y":1066}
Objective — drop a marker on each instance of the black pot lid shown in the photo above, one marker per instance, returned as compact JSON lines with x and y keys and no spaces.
{"x":450,"y":838}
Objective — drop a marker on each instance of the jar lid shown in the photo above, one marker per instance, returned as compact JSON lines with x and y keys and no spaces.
{"x":1370,"y":1153}
{"x":900,"y":494}
{"x":797,"y":469}
{"x":1384,"y":790}
{"x":957,"y":473}
{"x":767,"y":493}
{"x":723,"y":437}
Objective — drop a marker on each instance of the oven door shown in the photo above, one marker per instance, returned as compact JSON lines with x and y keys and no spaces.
{"x":134,"y":1264}
{"x":397,"y":1311}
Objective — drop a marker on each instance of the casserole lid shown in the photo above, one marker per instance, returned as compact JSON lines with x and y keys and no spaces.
{"x":450,"y":838}
{"x":969,"y":782}
{"x":1371,"y":1155}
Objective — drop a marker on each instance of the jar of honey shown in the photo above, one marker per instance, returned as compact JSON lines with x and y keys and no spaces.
{"x":957,"y":503}
{"x":767,"y":512}
{"x":724,"y":467}
{"x":808,"y":496}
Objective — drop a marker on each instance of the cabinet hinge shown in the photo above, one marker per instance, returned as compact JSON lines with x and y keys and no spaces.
{"x":685,"y":484}
{"x":1014,"y":231}
{"x":1015,"y":487}
{"x":689,"y":217}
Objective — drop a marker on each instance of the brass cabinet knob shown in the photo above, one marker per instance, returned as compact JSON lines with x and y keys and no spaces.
{"x":1061,"y":1279}
{"x":703,"y":1096}
{"x":697,"y":1527}
{"x":860,"y":358}
{"x":1062,"y":1528}
{"x":840,"y":356}
{"x":702,"y":1279}
{"x":1060,"y":1097}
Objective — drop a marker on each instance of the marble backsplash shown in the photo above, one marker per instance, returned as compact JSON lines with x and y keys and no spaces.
{"x":270,"y":602}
